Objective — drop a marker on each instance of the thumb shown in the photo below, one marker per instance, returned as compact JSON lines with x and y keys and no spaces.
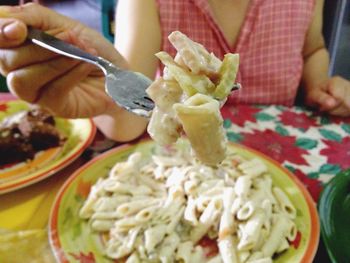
{"x":321,"y":99}
{"x":12,"y":32}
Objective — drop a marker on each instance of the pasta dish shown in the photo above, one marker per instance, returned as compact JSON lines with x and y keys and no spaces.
{"x":170,"y":206}
{"x":159,"y":210}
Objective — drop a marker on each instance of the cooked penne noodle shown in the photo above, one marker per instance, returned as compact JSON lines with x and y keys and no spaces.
{"x":145,"y":214}
{"x":132,"y":207}
{"x":165,"y":93}
{"x":254,"y":167}
{"x":251,"y":231}
{"x":168,"y":247}
{"x":292,"y":231}
{"x":184,"y":251}
{"x":109,"y":203}
{"x":226,"y":227}
{"x":278,"y":232}
{"x":163,"y":128}
{"x":105,"y":215}
{"x":284,"y":202}
{"x":154,"y":236}
{"x":246,"y":211}
{"x":102,"y":225}
{"x":190,"y":212}
{"x":242,"y":186}
{"x":227,"y":249}
{"x":284,"y":245}
{"x":175,"y":220}
{"x":202,"y":123}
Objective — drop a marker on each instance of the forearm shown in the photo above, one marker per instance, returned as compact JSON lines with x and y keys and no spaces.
{"x":315,"y":71}
{"x":120,"y":125}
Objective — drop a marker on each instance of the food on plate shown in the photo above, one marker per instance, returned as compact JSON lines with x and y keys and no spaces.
{"x":25,"y":133}
{"x":169,"y":206}
{"x":188,"y":98}
{"x":163,"y":208}
{"x":25,"y":246}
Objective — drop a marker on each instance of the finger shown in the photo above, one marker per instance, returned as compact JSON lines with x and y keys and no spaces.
{"x":27,"y":82}
{"x":58,"y":95}
{"x":339,"y":88}
{"x":37,"y":16}
{"x":29,"y":54}
{"x":322,"y":100}
{"x":12,"y":32}
{"x":25,"y":55}
{"x":341,"y":111}
{"x":327,"y":102}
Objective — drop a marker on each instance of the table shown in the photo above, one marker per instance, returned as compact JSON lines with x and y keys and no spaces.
{"x":314,"y":147}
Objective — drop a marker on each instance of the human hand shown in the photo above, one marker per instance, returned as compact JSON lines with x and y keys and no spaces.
{"x":332,"y":96}
{"x":67,"y":87}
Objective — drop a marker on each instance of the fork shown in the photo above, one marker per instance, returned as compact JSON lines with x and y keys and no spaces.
{"x":126,"y":88}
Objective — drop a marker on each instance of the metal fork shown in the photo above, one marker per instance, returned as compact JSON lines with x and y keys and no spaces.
{"x":126,"y":88}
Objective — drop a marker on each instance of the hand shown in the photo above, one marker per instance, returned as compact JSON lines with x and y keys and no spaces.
{"x":332,"y":96}
{"x":67,"y":87}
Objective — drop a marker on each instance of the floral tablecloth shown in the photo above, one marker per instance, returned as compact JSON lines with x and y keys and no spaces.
{"x":313,"y":146}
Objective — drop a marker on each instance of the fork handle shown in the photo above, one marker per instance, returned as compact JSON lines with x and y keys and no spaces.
{"x":56,"y":45}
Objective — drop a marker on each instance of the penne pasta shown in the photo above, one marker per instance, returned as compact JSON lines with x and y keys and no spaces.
{"x":284,"y":202}
{"x":202,"y":123}
{"x":227,"y":249}
{"x":278,"y":232}
{"x":184,"y":252}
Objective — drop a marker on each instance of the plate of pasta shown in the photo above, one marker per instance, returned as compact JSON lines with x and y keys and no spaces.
{"x":145,"y":203}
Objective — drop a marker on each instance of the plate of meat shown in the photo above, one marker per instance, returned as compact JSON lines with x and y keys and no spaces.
{"x":34,"y":144}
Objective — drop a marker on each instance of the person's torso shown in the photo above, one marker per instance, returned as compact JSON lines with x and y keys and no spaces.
{"x":270,"y":43}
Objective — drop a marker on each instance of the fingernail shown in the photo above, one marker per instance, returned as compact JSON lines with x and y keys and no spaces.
{"x":11,"y":31}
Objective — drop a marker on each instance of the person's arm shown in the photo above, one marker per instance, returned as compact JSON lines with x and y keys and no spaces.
{"x":137,"y":38}
{"x":328,"y":94}
{"x":138,"y":34}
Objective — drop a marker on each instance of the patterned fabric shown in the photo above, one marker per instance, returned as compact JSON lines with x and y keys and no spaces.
{"x":314,"y":147}
{"x":270,"y":43}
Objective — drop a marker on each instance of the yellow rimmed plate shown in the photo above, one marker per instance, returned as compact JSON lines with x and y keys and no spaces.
{"x":79,"y":134}
{"x":72,"y":240}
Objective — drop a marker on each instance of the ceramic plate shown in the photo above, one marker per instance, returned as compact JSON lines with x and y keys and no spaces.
{"x":72,"y":240}
{"x":334,"y":210}
{"x":79,"y":134}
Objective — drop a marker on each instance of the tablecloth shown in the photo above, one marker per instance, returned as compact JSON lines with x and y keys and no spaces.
{"x":313,"y":146}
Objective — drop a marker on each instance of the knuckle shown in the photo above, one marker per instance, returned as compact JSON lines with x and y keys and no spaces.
{"x":5,"y":63}
{"x":31,"y":5}
{"x":17,"y":84}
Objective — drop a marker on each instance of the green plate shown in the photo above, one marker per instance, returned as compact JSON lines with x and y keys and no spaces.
{"x":73,"y":241}
{"x":334,"y":211}
{"x":79,"y":134}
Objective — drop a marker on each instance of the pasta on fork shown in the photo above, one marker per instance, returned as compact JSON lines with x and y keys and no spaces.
{"x":189,"y":96}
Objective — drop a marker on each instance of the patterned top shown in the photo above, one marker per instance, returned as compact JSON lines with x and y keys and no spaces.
{"x":270,"y":43}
